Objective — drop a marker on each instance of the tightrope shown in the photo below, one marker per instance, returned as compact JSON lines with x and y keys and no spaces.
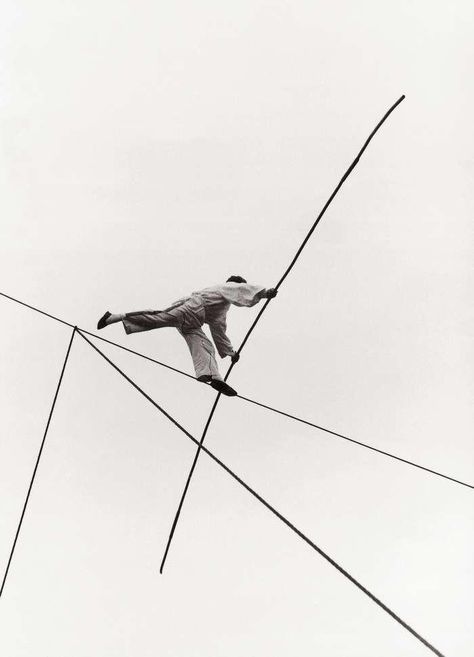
{"x":247,"y":399}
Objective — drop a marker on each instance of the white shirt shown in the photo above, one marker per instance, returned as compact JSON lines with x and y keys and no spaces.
{"x":216,"y":301}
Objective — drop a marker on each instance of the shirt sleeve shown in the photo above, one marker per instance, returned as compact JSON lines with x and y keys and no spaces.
{"x":218,"y":329}
{"x":242,"y":294}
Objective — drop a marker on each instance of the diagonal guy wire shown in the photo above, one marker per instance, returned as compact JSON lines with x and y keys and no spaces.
{"x":285,"y":274}
{"x":275,"y":512}
{"x":37,"y":461}
{"x":253,"y":401}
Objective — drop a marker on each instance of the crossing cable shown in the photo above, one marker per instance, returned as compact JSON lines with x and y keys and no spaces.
{"x":38,"y":460}
{"x":356,"y":442}
{"x":98,"y":337}
{"x":262,"y":310}
{"x":253,"y":401}
{"x":271,"y":508}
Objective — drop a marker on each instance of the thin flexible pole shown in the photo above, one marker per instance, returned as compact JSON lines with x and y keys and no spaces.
{"x":285,"y":274}
{"x":37,"y":461}
{"x":257,"y":403}
{"x":188,"y":481}
{"x":279,"y":515}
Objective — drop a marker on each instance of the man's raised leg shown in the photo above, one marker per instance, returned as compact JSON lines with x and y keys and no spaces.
{"x":142,"y":320}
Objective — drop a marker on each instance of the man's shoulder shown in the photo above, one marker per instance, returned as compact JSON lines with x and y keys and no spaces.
{"x":213,"y":289}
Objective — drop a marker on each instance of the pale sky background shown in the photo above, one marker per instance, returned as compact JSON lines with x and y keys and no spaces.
{"x":152,"y":148}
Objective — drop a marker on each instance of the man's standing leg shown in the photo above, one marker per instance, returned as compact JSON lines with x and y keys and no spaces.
{"x":204,"y":359}
{"x":202,"y":353}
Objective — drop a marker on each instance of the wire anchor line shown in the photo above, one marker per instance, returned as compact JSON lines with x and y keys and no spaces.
{"x":357,"y":442}
{"x":98,"y":337}
{"x":262,"y":310}
{"x":38,"y":460}
{"x":253,"y":401}
{"x":271,"y":508}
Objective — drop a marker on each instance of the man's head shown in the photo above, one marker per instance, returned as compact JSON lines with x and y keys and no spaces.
{"x":236,"y":279}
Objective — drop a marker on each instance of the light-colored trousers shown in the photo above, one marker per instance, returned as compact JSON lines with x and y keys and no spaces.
{"x":188,"y":319}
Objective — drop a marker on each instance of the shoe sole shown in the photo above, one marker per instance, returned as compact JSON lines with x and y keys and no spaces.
{"x":101,"y":323}
{"x":224,"y":388}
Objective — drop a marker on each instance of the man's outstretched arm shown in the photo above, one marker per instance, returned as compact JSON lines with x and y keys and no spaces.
{"x":218,"y":328}
{"x":218,"y":331}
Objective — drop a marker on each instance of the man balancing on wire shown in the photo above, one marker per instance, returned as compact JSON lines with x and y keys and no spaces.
{"x":207,"y":306}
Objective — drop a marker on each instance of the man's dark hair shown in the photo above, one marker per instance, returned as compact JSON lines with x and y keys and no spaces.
{"x":236,"y":279}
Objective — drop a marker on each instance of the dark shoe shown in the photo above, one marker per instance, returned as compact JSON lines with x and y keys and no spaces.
{"x":102,"y":321}
{"x":223,"y":387}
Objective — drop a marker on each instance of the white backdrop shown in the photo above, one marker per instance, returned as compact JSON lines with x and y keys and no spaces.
{"x":150,"y":149}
